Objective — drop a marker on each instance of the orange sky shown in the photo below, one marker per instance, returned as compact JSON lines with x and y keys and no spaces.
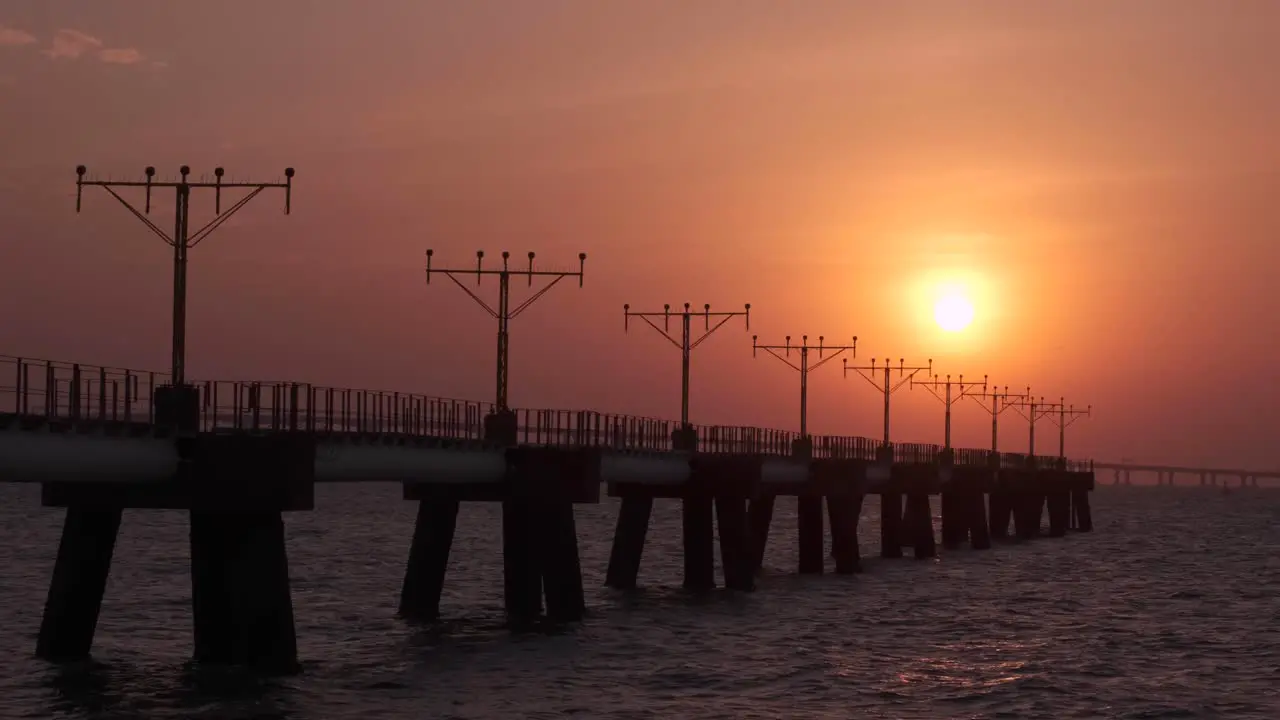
{"x":1104,"y":175}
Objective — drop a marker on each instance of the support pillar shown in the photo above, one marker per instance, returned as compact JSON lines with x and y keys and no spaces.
{"x":759,"y":518}
{"x":433,"y":532}
{"x":521,"y":576}
{"x":1000,"y":503}
{"x":1026,"y":514}
{"x":921,"y":528}
{"x":1059,"y":503}
{"x":844,"y":532}
{"x":699,"y":543}
{"x":735,"y":556}
{"x":79,"y":580}
{"x":890,"y":525}
{"x":809,"y":520}
{"x":955,"y":528}
{"x":561,"y":580}
{"x":979,"y":530}
{"x":628,"y":542}
{"x":241,"y":604}
{"x":1083,"y":513}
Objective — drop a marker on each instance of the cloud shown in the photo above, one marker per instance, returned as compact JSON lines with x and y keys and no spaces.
{"x":120,"y":56}
{"x":12,"y":37}
{"x":72,"y":44}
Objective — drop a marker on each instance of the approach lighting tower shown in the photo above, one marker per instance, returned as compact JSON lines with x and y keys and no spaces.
{"x":885,"y":383}
{"x":941,"y":388}
{"x":687,"y":342}
{"x":504,"y":313}
{"x":783,"y":353}
{"x":1000,"y":401}
{"x":1066,"y":417}
{"x":182,"y":239}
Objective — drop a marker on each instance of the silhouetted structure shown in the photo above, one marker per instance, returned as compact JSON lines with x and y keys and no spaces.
{"x":183,"y":240}
{"x":238,"y":454}
{"x":964,"y":514}
{"x":1165,"y":474}
{"x":239,"y":575}
{"x":913,"y":526}
{"x":539,"y":538}
{"x":843,"y":505}
{"x":636,"y":507}
{"x":999,"y":501}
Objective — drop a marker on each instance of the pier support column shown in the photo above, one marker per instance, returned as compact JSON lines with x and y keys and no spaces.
{"x":809,"y":520}
{"x":955,"y":526}
{"x":242,"y":611}
{"x":845,"y":512}
{"x":699,"y":543}
{"x":1028,"y":506}
{"x":79,"y":580}
{"x":735,"y":555}
{"x":979,"y":530}
{"x":1084,"y":516}
{"x":540,"y":536}
{"x":1059,"y":502}
{"x":759,"y":519}
{"x":521,"y":576}
{"x":697,"y":516}
{"x":1000,"y":503}
{"x":521,"y":570}
{"x":561,"y":566}
{"x":891,"y":525}
{"x":920,"y":529}
{"x":833,"y":521}
{"x":628,"y":542}
{"x":433,"y":532}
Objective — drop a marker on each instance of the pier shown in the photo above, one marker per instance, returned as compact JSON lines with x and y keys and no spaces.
{"x":236,"y":455}
{"x":1122,"y":474}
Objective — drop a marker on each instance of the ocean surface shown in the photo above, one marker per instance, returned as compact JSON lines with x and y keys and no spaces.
{"x":1169,"y":609}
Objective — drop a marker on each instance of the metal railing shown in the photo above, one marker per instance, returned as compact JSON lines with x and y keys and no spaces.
{"x":89,"y":393}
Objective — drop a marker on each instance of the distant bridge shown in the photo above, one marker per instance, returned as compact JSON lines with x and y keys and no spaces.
{"x":1165,"y":474}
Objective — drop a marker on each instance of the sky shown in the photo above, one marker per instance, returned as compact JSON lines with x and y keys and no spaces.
{"x":1099,"y":178}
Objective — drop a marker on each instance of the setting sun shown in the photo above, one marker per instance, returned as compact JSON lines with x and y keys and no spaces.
{"x":953,"y":312}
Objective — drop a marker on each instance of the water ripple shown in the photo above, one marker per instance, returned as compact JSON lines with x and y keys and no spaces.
{"x":1169,"y":610}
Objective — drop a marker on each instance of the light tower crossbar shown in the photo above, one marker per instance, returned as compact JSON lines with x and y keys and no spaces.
{"x":182,"y":238}
{"x":687,"y":342}
{"x":1032,"y":409}
{"x":1000,"y":402}
{"x":783,"y":353}
{"x":504,"y":313}
{"x":941,"y":388}
{"x":886,"y":386}
{"x":1066,"y":416}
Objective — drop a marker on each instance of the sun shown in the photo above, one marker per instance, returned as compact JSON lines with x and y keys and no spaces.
{"x":953,"y":312}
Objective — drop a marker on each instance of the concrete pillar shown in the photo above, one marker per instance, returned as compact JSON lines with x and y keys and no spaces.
{"x":890,"y":525}
{"x":923,"y":544}
{"x":759,"y":518}
{"x":628,"y":542}
{"x":241,"y":604}
{"x":844,"y":532}
{"x":79,"y":580}
{"x":433,"y":532}
{"x":735,"y":556}
{"x":809,"y":519}
{"x":699,"y":543}
{"x":979,"y":530}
